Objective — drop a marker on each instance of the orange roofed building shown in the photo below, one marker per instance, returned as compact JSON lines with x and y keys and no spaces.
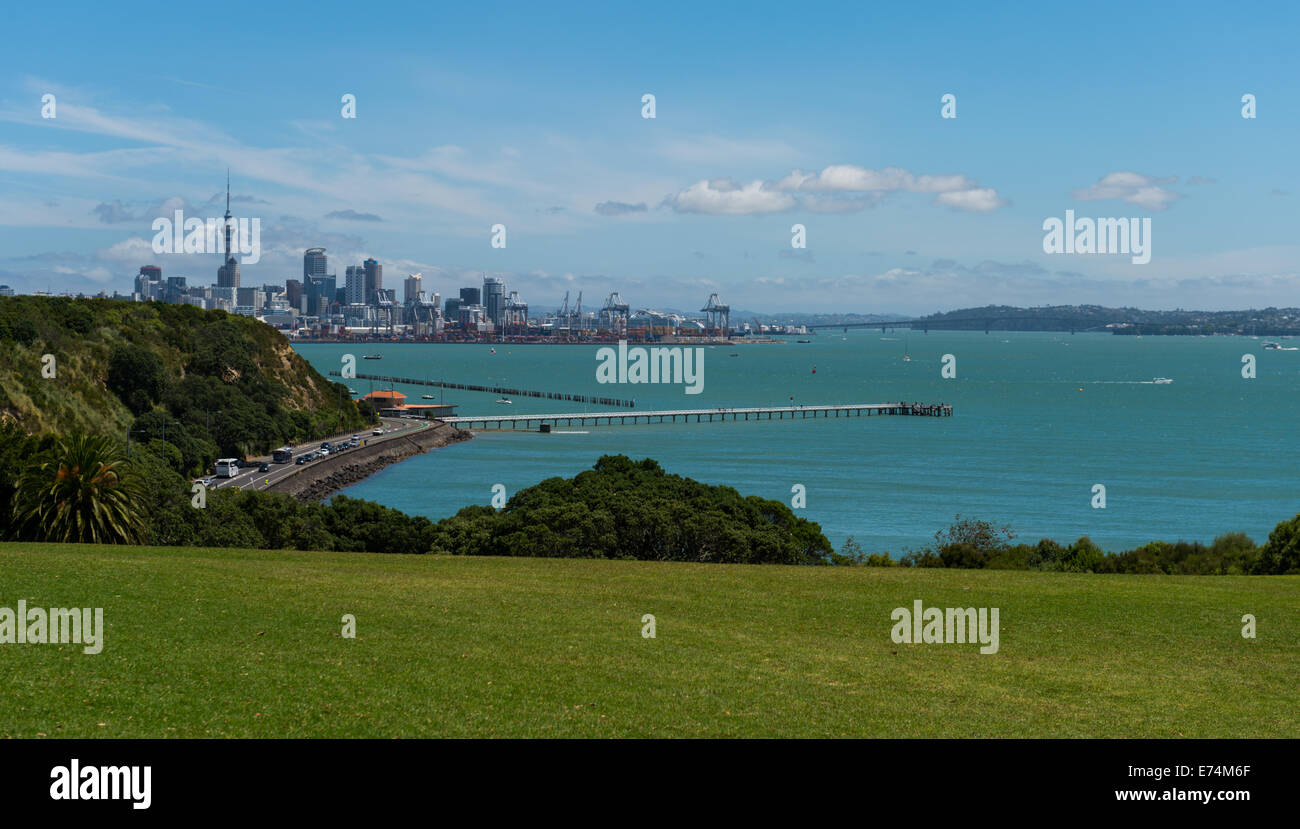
{"x":393,"y":404}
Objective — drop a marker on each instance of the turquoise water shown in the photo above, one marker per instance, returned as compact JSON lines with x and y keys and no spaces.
{"x":1039,"y":419}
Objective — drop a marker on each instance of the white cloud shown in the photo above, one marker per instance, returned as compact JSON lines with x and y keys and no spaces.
{"x":725,"y":197}
{"x":839,"y":188}
{"x":975,"y":200}
{"x":1132,"y":188}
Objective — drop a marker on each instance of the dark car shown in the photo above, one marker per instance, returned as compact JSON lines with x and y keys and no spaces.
{"x":325,"y":445}
{"x":301,"y":460}
{"x":266,"y":467}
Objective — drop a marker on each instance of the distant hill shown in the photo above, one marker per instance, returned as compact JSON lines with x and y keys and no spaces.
{"x":1266,"y":322}
{"x":216,"y":382}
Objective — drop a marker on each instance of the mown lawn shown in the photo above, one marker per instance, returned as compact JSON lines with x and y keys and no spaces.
{"x":237,"y":643}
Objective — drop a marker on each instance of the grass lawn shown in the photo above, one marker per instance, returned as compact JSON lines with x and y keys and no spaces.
{"x":239,"y":643}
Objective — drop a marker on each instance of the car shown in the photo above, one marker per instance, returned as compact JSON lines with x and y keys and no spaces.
{"x":322,"y":452}
{"x":378,"y":430}
{"x":301,"y":460}
{"x":355,"y":438}
{"x":325,"y":445}
{"x":264,"y":467}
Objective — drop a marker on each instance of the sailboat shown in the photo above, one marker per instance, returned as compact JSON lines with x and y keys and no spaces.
{"x":906,"y":357}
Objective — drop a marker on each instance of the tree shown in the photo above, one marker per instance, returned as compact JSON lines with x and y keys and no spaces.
{"x":137,"y":376}
{"x":82,"y":489}
{"x":1281,"y":553}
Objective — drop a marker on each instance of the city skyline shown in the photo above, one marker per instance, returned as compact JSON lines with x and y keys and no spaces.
{"x":904,"y":211}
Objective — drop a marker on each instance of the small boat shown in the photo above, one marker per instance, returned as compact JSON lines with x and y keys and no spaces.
{"x":492,"y":351}
{"x":504,"y":400}
{"x":428,"y":397}
{"x":1161,"y":381}
{"x":353,"y":391}
{"x":1272,"y":346}
{"x":803,"y":341}
{"x":372,"y":357}
{"x":907,"y":359}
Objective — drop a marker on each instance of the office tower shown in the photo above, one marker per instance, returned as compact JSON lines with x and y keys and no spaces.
{"x":293,"y":292}
{"x":148,"y":282}
{"x":175,"y":291}
{"x":469,"y":296}
{"x":314,"y":263}
{"x":452,"y":309}
{"x":374,"y":279}
{"x":411,"y":288}
{"x":321,"y":292}
{"x":228,"y":274}
{"x":248,"y":297}
{"x":494,"y":299}
{"x":355,"y":285}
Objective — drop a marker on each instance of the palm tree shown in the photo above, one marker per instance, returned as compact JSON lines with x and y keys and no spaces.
{"x":80,"y":490}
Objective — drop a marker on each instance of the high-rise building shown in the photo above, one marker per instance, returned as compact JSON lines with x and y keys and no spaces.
{"x":469,"y":296}
{"x":374,"y":279}
{"x":228,"y":274}
{"x":175,"y":291}
{"x":314,"y":263}
{"x":494,"y":305}
{"x":293,"y":292}
{"x":148,"y":282}
{"x":451,"y":310}
{"x":411,"y":288}
{"x":320,"y":294}
{"x":355,"y":285}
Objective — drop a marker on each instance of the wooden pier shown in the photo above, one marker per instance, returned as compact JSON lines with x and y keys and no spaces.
{"x":530,"y":422}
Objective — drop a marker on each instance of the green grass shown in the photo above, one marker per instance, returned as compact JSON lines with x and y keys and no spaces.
{"x":237,"y":643}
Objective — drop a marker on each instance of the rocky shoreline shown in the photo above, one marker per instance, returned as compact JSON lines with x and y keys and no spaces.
{"x":328,"y":476}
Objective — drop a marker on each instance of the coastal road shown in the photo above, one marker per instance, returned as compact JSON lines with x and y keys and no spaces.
{"x":250,"y":478}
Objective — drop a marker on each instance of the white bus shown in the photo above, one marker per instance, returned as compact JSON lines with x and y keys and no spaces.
{"x":227,"y":467}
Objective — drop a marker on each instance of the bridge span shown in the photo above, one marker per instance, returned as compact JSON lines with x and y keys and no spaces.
{"x":538,"y":421}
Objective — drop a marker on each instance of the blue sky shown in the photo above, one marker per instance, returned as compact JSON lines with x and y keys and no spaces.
{"x":767,"y":115}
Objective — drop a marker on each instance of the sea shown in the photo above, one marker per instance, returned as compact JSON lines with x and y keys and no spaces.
{"x":1041,"y":420}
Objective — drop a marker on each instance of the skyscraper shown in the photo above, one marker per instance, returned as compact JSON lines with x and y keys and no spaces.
{"x":411,"y":288}
{"x":355,"y":285}
{"x":314,"y":263}
{"x":493,"y":299}
{"x":469,"y":296}
{"x":374,"y":279}
{"x":148,"y":282}
{"x":228,"y":274}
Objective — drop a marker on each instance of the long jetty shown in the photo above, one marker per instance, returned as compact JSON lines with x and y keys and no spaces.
{"x":702,"y":415}
{"x":547,"y":395}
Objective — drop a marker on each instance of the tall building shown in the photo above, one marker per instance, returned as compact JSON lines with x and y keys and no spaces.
{"x":355,"y":285}
{"x":175,"y":291}
{"x":494,"y":305}
{"x":411,"y":288}
{"x":320,"y":294}
{"x":148,"y":282}
{"x":314,"y":263}
{"x":451,"y":310}
{"x":228,"y":274}
{"x":293,"y":292}
{"x":469,"y":296}
{"x":374,"y":279}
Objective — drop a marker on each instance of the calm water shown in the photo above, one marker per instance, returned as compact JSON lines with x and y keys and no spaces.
{"x":1040,"y":419}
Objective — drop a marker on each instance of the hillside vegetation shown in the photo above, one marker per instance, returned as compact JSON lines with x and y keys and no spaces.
{"x":206,"y":382}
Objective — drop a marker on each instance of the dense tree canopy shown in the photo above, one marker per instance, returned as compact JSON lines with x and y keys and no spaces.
{"x":633,"y":509}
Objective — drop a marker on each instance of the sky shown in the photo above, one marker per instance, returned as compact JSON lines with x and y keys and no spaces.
{"x":767,"y":116}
